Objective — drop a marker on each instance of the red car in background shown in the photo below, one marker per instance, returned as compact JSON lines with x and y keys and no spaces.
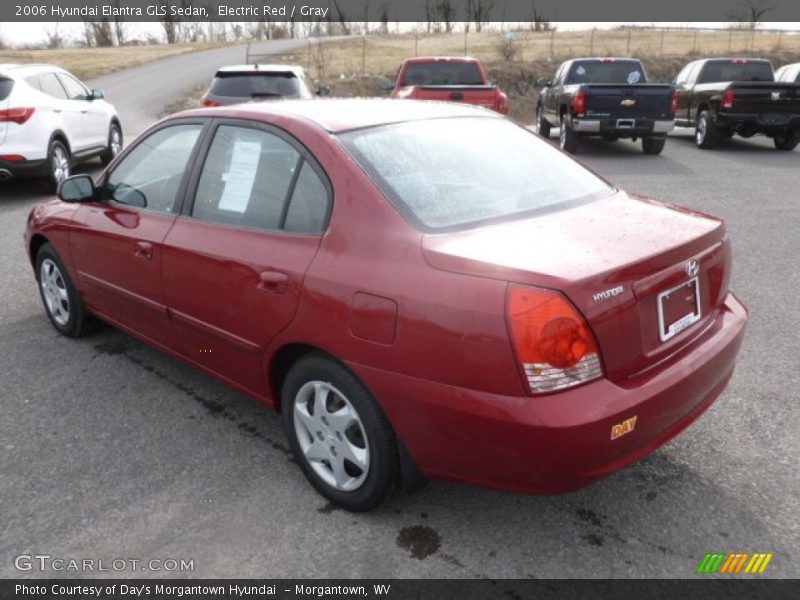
{"x":417,"y":287}
{"x":448,"y":79}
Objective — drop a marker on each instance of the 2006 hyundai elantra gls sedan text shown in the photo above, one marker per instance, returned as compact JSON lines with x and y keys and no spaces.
{"x":419,"y":288}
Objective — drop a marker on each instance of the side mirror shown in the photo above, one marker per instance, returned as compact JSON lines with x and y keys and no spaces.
{"x":78,"y":188}
{"x":97,"y":95}
{"x":543,"y":82}
{"x":324,"y":90}
{"x":492,"y":82}
{"x":387,"y":85}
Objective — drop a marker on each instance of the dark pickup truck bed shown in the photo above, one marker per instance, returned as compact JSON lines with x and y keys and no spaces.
{"x":606,"y":97}
{"x":725,"y":97}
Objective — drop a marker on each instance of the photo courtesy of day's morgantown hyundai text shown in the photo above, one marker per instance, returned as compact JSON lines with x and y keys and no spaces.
{"x":420,"y":288}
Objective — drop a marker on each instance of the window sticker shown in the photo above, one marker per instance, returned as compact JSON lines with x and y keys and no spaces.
{"x":240,"y":177}
{"x":581,"y":70}
{"x":633,"y":77}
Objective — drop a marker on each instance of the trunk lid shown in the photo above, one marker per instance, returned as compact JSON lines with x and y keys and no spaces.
{"x":635,"y":101}
{"x":612,"y":258}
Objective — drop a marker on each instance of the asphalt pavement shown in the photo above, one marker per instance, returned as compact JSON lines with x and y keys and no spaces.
{"x":110,"y":449}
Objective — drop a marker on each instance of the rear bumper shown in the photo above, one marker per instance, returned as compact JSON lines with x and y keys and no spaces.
{"x":762,"y":123}
{"x":560,"y":442}
{"x":623,"y":127}
{"x":24,"y":168}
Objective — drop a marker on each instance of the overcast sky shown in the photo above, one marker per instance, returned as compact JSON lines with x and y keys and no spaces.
{"x":33,"y":33}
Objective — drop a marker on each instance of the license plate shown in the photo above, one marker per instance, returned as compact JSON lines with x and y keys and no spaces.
{"x":772,"y":119}
{"x":678,"y":308}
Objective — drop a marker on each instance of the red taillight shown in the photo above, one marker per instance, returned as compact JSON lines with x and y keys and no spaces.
{"x":579,"y":103}
{"x":673,"y":103}
{"x":12,"y":157}
{"x":16,"y":115}
{"x":502,"y":104}
{"x":728,"y":98}
{"x":207,"y":102}
{"x":551,"y":340}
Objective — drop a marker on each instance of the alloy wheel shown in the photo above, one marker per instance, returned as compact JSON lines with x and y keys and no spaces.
{"x":54,"y":290}
{"x":60,"y":164}
{"x":331,"y":436}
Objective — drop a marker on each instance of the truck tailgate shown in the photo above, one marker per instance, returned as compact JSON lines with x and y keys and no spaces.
{"x":480,"y":95}
{"x":765,"y":98}
{"x":639,"y":101}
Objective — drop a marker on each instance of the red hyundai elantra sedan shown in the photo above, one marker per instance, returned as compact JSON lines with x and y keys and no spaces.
{"x":419,"y":288}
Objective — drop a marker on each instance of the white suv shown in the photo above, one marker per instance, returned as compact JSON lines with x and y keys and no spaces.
{"x":49,"y":121}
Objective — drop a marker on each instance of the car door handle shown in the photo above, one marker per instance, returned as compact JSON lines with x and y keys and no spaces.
{"x":56,"y":110}
{"x":83,"y":112}
{"x":274,"y":282}
{"x":144,"y":250}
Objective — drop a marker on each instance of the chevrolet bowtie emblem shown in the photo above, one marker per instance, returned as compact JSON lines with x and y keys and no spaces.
{"x":628,"y":102}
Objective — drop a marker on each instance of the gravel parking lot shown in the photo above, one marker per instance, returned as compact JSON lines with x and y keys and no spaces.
{"x":109,"y":449}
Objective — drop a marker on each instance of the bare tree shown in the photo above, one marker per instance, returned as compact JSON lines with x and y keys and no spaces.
{"x":538,"y":20}
{"x":102,"y":33}
{"x":88,"y":35}
{"x":478,"y":11}
{"x":53,"y":38}
{"x":384,"y":20}
{"x":172,"y":24}
{"x":319,"y":61}
{"x":446,"y":12}
{"x":120,"y":27}
{"x":750,"y":13}
{"x":342,"y":18}
{"x":507,"y":47}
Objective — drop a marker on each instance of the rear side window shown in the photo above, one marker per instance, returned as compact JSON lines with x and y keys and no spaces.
{"x":618,"y":71}
{"x":454,"y":173}
{"x":50,"y":85}
{"x":716,"y":71}
{"x":442,"y":73}
{"x":6,"y":85}
{"x":254,"y":178}
{"x":256,"y":85}
{"x":33,"y":81}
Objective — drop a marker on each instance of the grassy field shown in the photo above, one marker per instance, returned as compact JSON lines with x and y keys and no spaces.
{"x":93,"y":62}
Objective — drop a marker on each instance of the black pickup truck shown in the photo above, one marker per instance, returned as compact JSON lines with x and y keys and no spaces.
{"x":721,"y":97}
{"x":606,"y":97}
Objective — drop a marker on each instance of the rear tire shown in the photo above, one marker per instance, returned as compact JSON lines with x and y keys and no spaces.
{"x":59,"y":166}
{"x":705,"y":133}
{"x":114,"y":144}
{"x":786,"y":142}
{"x":653,"y":145}
{"x":338,"y":433}
{"x":62,"y":302}
{"x":542,"y":126}
{"x":567,"y":138}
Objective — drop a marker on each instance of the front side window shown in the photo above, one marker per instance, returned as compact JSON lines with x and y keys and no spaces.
{"x":453,"y":173}
{"x":75,"y":90}
{"x":150,"y":175}
{"x":254,"y":178}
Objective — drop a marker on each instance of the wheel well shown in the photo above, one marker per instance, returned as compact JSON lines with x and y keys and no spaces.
{"x":37,"y":241}
{"x":61,"y":137}
{"x":562,"y":110}
{"x":115,"y":121}
{"x":701,"y":108}
{"x":283,"y":360}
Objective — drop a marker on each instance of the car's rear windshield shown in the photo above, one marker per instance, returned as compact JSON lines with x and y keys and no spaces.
{"x":455,"y":173}
{"x":6,"y":85}
{"x":255,"y":84}
{"x":719,"y":70}
{"x":442,"y":73}
{"x":617,"y":71}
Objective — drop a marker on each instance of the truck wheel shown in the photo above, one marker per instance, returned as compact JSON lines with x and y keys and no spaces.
{"x":786,"y":141}
{"x":705,"y":133}
{"x":542,"y":126}
{"x":653,"y":145}
{"x":567,"y":138}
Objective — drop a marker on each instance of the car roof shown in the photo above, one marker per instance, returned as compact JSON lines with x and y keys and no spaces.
{"x":28,"y":69}
{"x":427,"y":59}
{"x":344,"y":114}
{"x":259,"y":68}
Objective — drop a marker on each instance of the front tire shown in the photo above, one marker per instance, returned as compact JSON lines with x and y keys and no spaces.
{"x":653,"y":145}
{"x":62,"y":303}
{"x":114,"y":146}
{"x":787,"y":142}
{"x":705,"y":133}
{"x":542,"y":126}
{"x":567,"y":138}
{"x":338,"y":433}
